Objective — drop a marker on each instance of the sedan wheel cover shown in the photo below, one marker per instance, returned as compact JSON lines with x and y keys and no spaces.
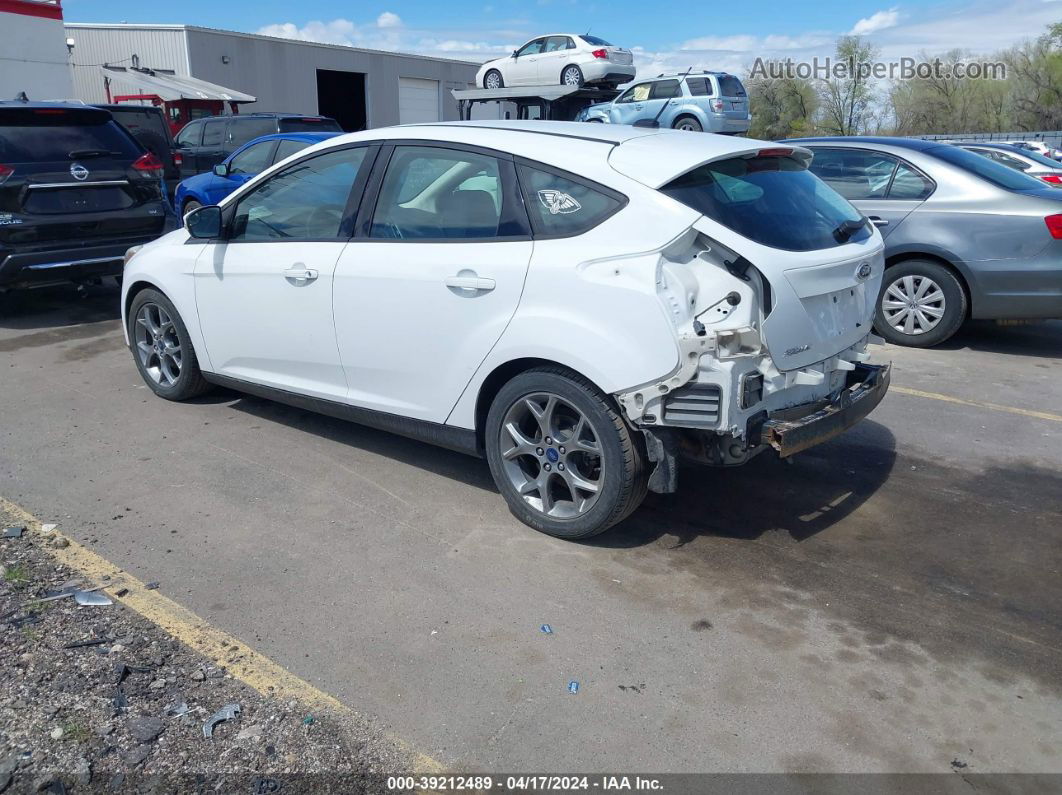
{"x":913,"y":305}
{"x":157,"y":344}
{"x":551,"y":455}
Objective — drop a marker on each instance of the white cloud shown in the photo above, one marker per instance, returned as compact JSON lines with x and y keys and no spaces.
{"x":881,"y":20}
{"x":388,"y":20}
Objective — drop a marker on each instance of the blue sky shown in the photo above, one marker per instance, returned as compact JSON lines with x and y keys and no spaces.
{"x":666,"y":34}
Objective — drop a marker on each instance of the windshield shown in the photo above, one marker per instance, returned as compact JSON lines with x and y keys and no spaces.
{"x":996,"y":173}
{"x":774,"y":201}
{"x":595,"y":41}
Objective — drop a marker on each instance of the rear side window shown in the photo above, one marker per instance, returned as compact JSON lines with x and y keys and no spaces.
{"x":253,"y":159}
{"x":31,"y":139}
{"x":854,"y":173}
{"x":243,"y":130}
{"x":774,"y":201}
{"x":286,"y":149}
{"x":309,"y":124}
{"x":665,"y":89}
{"x":909,"y":184}
{"x":562,"y":206}
{"x":1000,"y":175}
{"x":730,"y":86}
{"x":213,"y":133}
{"x":699,"y":86}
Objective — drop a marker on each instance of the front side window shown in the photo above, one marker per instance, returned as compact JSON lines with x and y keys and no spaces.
{"x":190,"y":135}
{"x":638,"y":93}
{"x":306,"y":201}
{"x":252,"y":160}
{"x":531,"y":48}
{"x":774,"y":201}
{"x":665,"y":89}
{"x":561,"y":206}
{"x":431,"y":193}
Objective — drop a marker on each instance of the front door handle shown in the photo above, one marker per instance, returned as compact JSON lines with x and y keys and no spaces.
{"x":469,"y":283}
{"x":300,"y":274}
{"x":878,"y":221}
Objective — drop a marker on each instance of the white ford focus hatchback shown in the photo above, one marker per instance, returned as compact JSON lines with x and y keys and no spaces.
{"x":584,"y":308}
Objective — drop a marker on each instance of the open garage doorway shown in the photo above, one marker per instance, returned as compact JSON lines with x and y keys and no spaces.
{"x":341,"y":95}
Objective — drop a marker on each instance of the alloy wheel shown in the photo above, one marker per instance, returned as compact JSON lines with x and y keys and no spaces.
{"x":493,"y":80}
{"x":551,"y":455}
{"x":913,"y":304}
{"x":571,"y":76}
{"x":157,"y":344}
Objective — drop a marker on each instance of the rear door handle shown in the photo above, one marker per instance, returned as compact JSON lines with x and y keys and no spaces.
{"x":878,"y":221}
{"x":300,"y":274}
{"x":469,"y":283}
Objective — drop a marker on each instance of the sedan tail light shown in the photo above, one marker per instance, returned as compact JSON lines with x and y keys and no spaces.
{"x":1054,"y":179}
{"x":602,"y":54}
{"x":5,"y":172}
{"x":1054,"y":226}
{"x":149,"y":165}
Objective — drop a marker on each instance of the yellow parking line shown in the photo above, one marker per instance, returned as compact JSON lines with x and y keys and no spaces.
{"x":245,"y":664}
{"x":1040,"y":415}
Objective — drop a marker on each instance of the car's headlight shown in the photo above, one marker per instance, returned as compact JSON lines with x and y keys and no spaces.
{"x":129,"y":254}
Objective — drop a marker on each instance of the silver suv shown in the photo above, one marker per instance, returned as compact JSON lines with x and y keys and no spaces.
{"x":703,"y":101}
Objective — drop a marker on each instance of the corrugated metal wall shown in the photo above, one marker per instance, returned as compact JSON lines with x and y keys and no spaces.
{"x":157,"y":47}
{"x":282,"y":73}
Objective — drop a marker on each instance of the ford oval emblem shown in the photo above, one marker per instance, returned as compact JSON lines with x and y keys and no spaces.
{"x":864,"y":271}
{"x":79,"y":172}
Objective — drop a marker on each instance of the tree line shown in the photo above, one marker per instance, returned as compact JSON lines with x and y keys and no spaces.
{"x":854,"y":103}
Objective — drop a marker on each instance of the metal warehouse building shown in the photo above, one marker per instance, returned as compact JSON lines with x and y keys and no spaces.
{"x":359,"y":88}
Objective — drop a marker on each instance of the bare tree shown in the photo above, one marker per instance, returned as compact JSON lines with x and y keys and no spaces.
{"x":848,"y":101}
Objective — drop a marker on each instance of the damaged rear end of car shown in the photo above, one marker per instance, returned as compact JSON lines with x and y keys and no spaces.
{"x":771,"y":295}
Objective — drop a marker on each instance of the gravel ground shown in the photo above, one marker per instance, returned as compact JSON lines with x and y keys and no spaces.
{"x":105,"y":716}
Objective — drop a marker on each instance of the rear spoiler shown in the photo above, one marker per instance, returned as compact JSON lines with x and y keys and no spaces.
{"x":646,"y":163}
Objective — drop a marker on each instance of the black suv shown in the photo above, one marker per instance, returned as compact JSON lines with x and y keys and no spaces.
{"x":76,"y":191}
{"x":149,"y":126}
{"x":204,"y":143}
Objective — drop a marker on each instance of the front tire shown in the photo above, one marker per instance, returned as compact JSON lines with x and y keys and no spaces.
{"x":493,"y":80}
{"x":571,"y":76}
{"x":162,"y":349}
{"x":921,"y":304}
{"x":563,"y":458}
{"x":190,"y":205}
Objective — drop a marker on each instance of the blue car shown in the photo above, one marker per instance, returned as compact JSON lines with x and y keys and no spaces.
{"x":248,"y":161}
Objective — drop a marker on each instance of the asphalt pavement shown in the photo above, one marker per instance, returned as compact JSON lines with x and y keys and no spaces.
{"x":891,"y":601}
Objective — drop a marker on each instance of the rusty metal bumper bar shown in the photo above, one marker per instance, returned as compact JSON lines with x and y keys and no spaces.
{"x":865,"y":388}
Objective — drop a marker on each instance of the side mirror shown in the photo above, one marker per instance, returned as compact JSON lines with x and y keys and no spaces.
{"x":204,"y":223}
{"x":221,"y":169}
{"x":514,"y":54}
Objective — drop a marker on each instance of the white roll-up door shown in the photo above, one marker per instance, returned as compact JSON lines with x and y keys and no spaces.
{"x":418,"y":100}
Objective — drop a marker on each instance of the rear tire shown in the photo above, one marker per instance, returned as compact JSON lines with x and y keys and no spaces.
{"x":162,"y":349}
{"x":561,"y":455}
{"x":493,"y":80}
{"x":687,"y":124}
{"x":921,"y":304}
{"x":571,"y":76}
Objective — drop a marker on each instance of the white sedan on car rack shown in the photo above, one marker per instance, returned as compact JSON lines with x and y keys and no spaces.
{"x":583,"y":307}
{"x":569,"y":59}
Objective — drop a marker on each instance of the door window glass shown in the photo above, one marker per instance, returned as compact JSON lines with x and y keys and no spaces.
{"x":855,"y":174}
{"x":252,"y":160}
{"x":213,"y":133}
{"x":286,"y":149}
{"x":531,"y":48}
{"x":304,"y":202}
{"x":909,"y":184}
{"x":433,"y":193}
{"x":638,"y":93}
{"x":557,"y":43}
{"x":561,"y":206}
{"x":665,"y":89}
{"x":190,"y":135}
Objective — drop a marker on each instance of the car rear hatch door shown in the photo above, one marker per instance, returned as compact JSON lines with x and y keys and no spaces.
{"x":734,"y":97}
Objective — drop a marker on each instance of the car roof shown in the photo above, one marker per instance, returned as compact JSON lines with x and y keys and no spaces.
{"x":650,"y":156}
{"x":308,"y":137}
{"x":915,"y":144}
